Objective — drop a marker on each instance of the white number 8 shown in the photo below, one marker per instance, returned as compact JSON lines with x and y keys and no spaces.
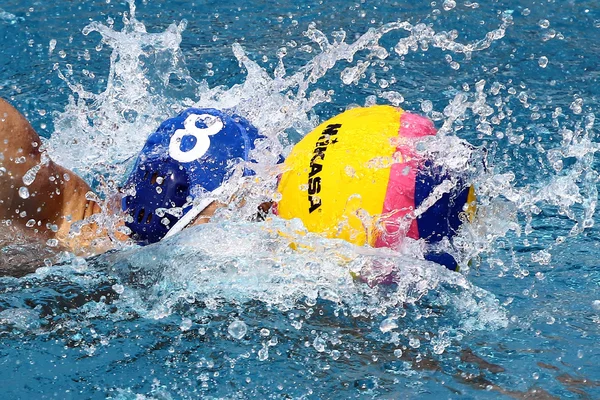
{"x":201,"y":135}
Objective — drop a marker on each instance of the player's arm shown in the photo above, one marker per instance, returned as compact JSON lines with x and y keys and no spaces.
{"x":49,"y":204}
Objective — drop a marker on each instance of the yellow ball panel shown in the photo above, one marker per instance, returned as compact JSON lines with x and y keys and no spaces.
{"x":336,"y":177}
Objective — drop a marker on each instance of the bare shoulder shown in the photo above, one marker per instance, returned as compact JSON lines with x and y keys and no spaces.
{"x":19,"y":152}
{"x":36,"y":194}
{"x":16,"y":133}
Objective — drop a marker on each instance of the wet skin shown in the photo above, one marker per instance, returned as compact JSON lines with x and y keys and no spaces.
{"x":56,"y":200}
{"x":57,"y":196}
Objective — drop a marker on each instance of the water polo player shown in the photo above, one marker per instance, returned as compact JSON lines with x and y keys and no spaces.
{"x":175,"y":180}
{"x":358,"y":177}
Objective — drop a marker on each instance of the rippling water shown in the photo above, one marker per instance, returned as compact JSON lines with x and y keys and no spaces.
{"x":244,"y":309}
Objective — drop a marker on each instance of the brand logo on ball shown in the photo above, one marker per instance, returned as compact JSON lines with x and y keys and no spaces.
{"x":213,"y":126}
{"x":316,"y":164}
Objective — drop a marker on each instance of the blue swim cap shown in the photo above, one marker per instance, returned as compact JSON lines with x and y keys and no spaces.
{"x":189,"y":154}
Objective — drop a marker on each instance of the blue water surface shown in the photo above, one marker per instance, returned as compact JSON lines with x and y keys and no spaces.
{"x":167,"y":321}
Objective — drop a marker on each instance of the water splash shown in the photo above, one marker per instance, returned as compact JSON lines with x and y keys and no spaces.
{"x":142,"y":64}
{"x":9,"y":18}
{"x":275,"y":263}
{"x":97,"y":133}
{"x":238,"y":263}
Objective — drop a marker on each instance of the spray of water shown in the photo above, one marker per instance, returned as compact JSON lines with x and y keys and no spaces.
{"x":97,"y":133}
{"x":277,"y":262}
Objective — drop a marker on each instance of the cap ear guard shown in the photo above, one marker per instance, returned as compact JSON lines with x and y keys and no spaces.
{"x":163,"y":187}
{"x":189,"y":217}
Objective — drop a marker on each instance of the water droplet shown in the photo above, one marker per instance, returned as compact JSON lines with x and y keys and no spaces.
{"x":449,"y":4}
{"x":370,"y":101}
{"x":542,"y":257}
{"x":351,"y":172}
{"x":543,"y":61}
{"x":398,"y":353}
{"x":319,"y":344}
{"x":264,"y":332}
{"x":353,"y":74}
{"x":52,"y":227}
{"x":576,"y":106}
{"x":30,"y":175}
{"x":427,"y":106}
{"x":393,"y":97}
{"x":544,"y":23}
{"x":414,"y":342}
{"x":30,"y":223}
{"x":237,"y":329}
{"x":297,"y":324}
{"x":277,"y":196}
{"x":51,"y":46}
{"x":52,"y":242}
{"x":540,"y":276}
{"x":263,"y":353}
{"x":388,"y":324}
{"x":548,"y":35}
{"x":23,"y":192}
{"x":186,"y":324}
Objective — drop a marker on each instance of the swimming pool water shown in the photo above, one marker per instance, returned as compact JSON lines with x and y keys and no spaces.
{"x":229,"y":310}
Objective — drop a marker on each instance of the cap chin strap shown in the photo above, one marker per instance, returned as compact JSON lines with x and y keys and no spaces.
{"x":191,"y":215}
